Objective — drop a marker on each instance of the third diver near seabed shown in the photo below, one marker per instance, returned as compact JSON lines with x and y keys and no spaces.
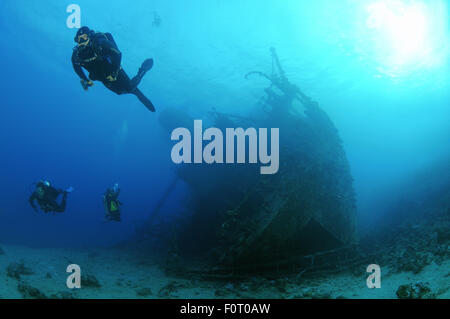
{"x":112,"y":203}
{"x":99,"y":54}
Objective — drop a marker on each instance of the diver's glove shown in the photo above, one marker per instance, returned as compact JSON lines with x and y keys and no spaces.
{"x":86,"y":84}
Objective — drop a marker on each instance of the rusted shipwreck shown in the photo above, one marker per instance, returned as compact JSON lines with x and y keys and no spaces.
{"x":237,"y":218}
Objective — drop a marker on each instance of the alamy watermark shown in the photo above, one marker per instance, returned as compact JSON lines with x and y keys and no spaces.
{"x":374,"y":279}
{"x":74,"y":279}
{"x":74,"y":19}
{"x":213,"y":152}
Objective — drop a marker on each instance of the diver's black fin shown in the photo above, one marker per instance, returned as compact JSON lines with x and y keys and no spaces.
{"x":148,"y":104}
{"x":147,"y":65}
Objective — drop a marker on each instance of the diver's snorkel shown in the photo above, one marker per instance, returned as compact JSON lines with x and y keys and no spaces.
{"x":116,"y":187}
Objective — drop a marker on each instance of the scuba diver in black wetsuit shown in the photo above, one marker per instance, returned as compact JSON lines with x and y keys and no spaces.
{"x":46,"y":195}
{"x":112,"y":203}
{"x":99,"y":55}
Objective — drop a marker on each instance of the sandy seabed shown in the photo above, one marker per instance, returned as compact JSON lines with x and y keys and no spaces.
{"x":121,"y":274}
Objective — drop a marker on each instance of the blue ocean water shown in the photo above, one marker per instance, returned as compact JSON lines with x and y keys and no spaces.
{"x":379,"y":68}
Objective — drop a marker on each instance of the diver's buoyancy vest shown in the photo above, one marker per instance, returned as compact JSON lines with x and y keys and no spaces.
{"x":114,"y":207}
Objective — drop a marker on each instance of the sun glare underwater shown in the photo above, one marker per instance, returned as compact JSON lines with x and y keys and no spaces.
{"x":118,"y":153}
{"x":409,"y":33}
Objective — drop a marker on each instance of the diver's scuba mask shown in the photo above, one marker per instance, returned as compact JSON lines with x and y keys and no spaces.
{"x":40,"y":188}
{"x":82,"y":39}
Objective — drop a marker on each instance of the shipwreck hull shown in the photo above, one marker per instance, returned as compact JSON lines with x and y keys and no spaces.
{"x":240,"y":217}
